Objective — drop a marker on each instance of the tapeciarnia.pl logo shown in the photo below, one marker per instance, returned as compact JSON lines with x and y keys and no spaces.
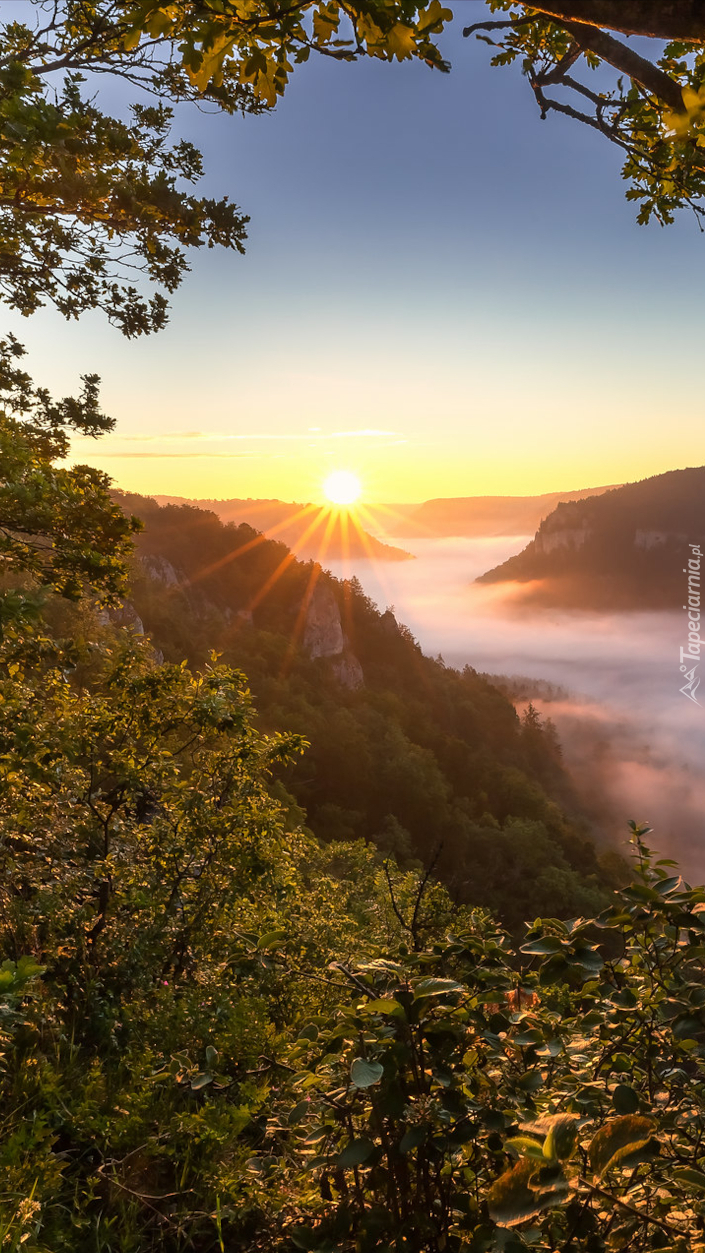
{"x":690,"y":656}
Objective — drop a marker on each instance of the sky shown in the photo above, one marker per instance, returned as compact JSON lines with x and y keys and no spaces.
{"x":441,"y":293}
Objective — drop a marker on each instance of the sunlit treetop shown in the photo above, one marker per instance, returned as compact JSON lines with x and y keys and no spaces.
{"x":653,"y":104}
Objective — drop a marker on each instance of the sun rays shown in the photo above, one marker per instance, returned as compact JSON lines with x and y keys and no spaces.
{"x":343,"y":531}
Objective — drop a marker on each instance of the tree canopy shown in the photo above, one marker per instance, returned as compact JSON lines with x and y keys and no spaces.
{"x":58,"y":525}
{"x":90,"y":205}
{"x":98,"y":211}
{"x":652,"y":105}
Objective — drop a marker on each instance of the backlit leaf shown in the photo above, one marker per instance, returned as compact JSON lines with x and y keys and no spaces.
{"x":518,"y":1194}
{"x":617,"y":1139}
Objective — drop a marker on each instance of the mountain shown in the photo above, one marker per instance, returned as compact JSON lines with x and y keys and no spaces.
{"x":308,"y":530}
{"x":476,"y":515}
{"x":420,"y":760}
{"x":625,"y":549}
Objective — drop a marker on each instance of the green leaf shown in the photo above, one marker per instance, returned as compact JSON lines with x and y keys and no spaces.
{"x":270,"y":939}
{"x":414,"y":1137}
{"x":667,"y":885}
{"x":365,"y":1074}
{"x":298,"y":1112}
{"x":201,"y":1081}
{"x":526,"y":1038}
{"x":616,"y":1140}
{"x":561,"y":1140}
{"x":530,"y":1081}
{"x":552,"y":1048}
{"x":355,"y":1153}
{"x":625,"y":1099}
{"x":28,"y":968}
{"x":436,"y":987}
{"x":385,"y":1005}
{"x":543,"y":947}
{"x":588,"y":958}
{"x":525,"y":1146}
{"x":688,"y":1175}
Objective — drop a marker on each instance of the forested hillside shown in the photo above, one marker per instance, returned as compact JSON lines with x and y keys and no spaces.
{"x":429,"y":764}
{"x":624,"y":549}
{"x":308,"y":530}
{"x":221,"y":1033}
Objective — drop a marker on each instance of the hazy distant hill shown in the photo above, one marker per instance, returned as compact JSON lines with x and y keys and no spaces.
{"x":308,"y":530}
{"x":480,"y":515}
{"x":623,"y":549}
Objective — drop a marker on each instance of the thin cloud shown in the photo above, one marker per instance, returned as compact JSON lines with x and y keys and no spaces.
{"x":158,"y":456}
{"x":252,"y":436}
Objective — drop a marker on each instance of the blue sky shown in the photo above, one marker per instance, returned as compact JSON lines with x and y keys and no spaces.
{"x":440,"y":292}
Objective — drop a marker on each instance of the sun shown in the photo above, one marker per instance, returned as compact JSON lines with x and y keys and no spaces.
{"x":342,"y":487}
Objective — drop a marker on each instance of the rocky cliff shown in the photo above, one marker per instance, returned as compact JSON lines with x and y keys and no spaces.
{"x":624,"y":549}
{"x":324,"y":636}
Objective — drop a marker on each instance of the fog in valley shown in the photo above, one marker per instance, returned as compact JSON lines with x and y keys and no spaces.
{"x":633,"y":743}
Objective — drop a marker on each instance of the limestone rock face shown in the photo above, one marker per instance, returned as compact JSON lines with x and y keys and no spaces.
{"x":389,"y":622}
{"x":323,"y":632}
{"x":161,"y":570}
{"x":324,"y":637}
{"x":547,"y":541}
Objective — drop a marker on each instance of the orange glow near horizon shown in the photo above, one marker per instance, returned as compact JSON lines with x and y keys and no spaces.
{"x":207,"y":468}
{"x":406,"y":474}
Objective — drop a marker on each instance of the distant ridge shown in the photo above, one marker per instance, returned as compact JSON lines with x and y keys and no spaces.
{"x":481,"y":515}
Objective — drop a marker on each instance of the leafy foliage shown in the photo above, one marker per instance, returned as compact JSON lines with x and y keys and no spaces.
{"x":90,"y":204}
{"x":496,"y":1103}
{"x":56,"y":524}
{"x":651,"y":108}
{"x":276,"y":1091}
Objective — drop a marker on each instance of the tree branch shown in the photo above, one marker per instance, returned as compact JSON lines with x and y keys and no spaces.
{"x":556,"y":75}
{"x":655,"y":81}
{"x":632,"y":1209}
{"x":558,"y":106}
{"x":508,"y":24}
{"x":682,"y":20}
